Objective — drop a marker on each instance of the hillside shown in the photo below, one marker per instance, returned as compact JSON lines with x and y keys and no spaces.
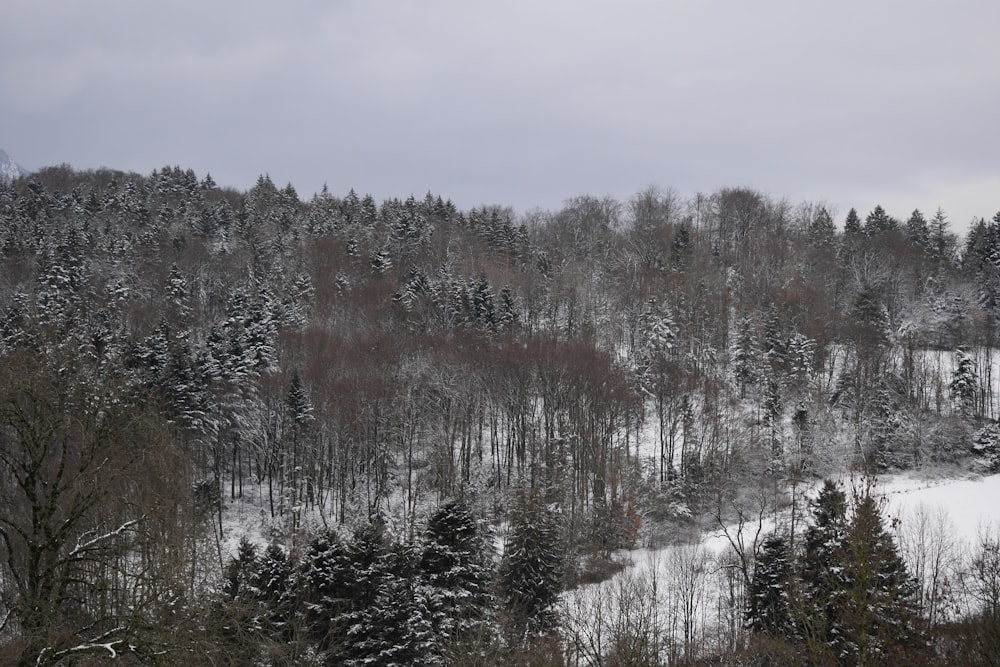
{"x":375,"y":394}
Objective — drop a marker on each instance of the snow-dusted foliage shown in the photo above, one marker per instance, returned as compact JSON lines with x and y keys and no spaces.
{"x":289,"y":367}
{"x":531,"y":571}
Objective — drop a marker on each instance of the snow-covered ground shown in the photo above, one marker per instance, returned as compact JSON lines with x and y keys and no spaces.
{"x":689,"y":592}
{"x":970,"y":505}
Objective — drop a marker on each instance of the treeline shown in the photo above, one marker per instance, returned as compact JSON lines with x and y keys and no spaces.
{"x":337,"y":359}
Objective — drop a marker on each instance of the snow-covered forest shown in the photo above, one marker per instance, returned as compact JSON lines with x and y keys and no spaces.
{"x":255,"y":428}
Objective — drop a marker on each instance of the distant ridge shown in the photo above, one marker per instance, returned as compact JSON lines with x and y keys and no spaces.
{"x":9,"y":170}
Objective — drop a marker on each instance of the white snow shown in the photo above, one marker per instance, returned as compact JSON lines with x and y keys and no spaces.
{"x":687,"y":588}
{"x":971,"y":504}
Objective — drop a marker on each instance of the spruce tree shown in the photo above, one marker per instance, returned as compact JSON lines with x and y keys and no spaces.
{"x":531,"y":572}
{"x":917,"y":231}
{"x":879,"y":222}
{"x":325,"y":576}
{"x":456,"y":559}
{"x":395,"y":629}
{"x":745,"y":356}
{"x":768,"y":605}
{"x":860,"y":601}
{"x":852,"y":224}
{"x":964,"y":382}
{"x":271,"y":587}
{"x":822,"y":231}
{"x":821,"y":569}
{"x":879,"y":613}
{"x":941,"y":241}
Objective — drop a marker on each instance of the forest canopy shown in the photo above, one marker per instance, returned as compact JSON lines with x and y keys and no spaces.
{"x":390,"y":385}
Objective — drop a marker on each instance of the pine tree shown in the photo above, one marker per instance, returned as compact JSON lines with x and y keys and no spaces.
{"x":941,"y":241}
{"x":531,"y":571}
{"x":772,"y":418}
{"x":822,"y":232}
{"x":870,"y":317}
{"x":821,"y":570}
{"x":964,"y":382}
{"x":300,"y":417}
{"x":680,"y":248}
{"x":986,"y":446}
{"x":852,"y":224}
{"x":917,"y":231}
{"x":507,"y":312}
{"x":272,"y":586}
{"x":879,"y":613}
{"x":456,"y":558}
{"x":325,"y":577}
{"x":381,"y":262}
{"x":769,"y":608}
{"x":244,"y":625}
{"x":457,"y":565}
{"x":484,"y":305}
{"x":860,"y":601}
{"x":745,"y":356}
{"x":179,"y":305}
{"x":396,"y":628}
{"x":344,"y":585}
{"x":801,"y":357}
{"x":300,"y":408}
{"x":775,"y":342}
{"x":879,"y":222}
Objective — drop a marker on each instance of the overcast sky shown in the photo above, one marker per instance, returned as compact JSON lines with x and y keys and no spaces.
{"x":521,"y":102}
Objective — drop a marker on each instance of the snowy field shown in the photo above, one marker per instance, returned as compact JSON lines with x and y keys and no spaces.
{"x":969,"y":505}
{"x":684,"y":595}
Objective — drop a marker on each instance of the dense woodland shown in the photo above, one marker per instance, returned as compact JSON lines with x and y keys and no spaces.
{"x":442,"y":420}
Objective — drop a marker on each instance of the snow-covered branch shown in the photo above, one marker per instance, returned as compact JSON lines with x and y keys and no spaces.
{"x":82,"y":547}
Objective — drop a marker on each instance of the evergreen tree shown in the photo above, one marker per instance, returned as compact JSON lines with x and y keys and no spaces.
{"x":941,"y":241}
{"x":870,"y":318}
{"x":272,"y":587}
{"x":772,"y":418}
{"x":860,"y":602}
{"x":507,"y":311}
{"x":325,"y":580}
{"x":775,"y":342}
{"x":852,"y":224}
{"x":879,"y":222}
{"x":879,"y":613}
{"x":381,"y":262}
{"x":368,"y":212}
{"x":244,"y":619}
{"x":917,"y":231}
{"x":456,"y":558}
{"x":396,"y":628}
{"x":179,"y":305}
{"x":822,"y":573}
{"x":457,"y":565}
{"x":769,"y":608}
{"x":801,"y":357}
{"x":531,"y":571}
{"x":680,"y":248}
{"x":822,"y":232}
{"x":981,"y":241}
{"x":745,"y":356}
{"x":986,"y":446}
{"x":964,"y":382}
{"x":300,"y":408}
{"x":346,"y":584}
{"x":484,"y":305}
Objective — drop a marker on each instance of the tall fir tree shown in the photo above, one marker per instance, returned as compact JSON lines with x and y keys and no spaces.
{"x":769,"y":607}
{"x":531,"y":571}
{"x":852,"y":224}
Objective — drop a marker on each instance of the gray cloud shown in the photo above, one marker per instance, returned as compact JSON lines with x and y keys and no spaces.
{"x":520,"y":103}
